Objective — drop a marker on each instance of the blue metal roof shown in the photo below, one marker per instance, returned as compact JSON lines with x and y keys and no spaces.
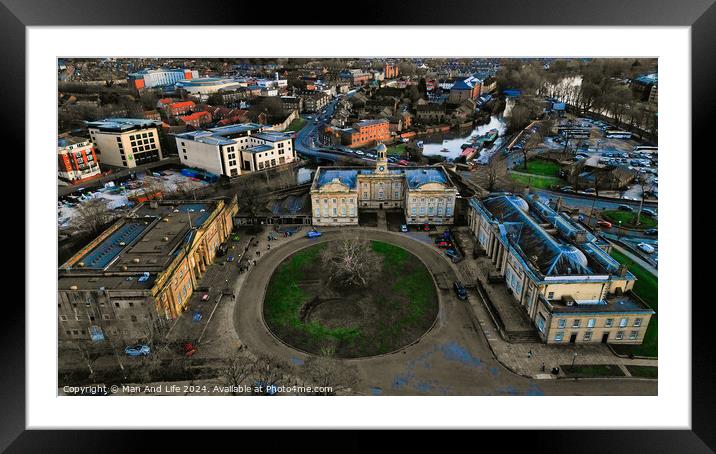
{"x":106,"y":251}
{"x":419,"y":177}
{"x":348,"y":177}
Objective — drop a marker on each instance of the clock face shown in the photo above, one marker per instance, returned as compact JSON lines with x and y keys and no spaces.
{"x":381,"y":168}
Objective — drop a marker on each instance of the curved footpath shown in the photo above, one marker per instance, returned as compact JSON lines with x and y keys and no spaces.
{"x":453,"y":358}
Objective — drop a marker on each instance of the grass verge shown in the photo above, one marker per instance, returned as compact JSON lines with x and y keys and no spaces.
{"x":628,"y":219}
{"x":647,"y":288}
{"x":643,"y":371}
{"x":592,"y":371}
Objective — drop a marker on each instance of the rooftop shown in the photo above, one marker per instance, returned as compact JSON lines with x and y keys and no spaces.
{"x":549,"y":242}
{"x":122,"y":124}
{"x":146,"y":241}
{"x":70,"y":140}
{"x":221,"y":135}
{"x":626,"y":303}
{"x":415,"y":176}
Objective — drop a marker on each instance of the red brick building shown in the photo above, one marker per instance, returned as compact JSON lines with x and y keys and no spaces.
{"x":390,"y":70}
{"x":180,"y":108}
{"x":367,"y":132}
{"x":197,"y":119}
{"x":77,"y":161}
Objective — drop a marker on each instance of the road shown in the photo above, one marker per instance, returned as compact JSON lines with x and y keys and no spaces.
{"x":586,"y":201}
{"x":453,"y":358}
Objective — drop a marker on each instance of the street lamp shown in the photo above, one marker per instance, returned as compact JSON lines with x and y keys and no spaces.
{"x":574,"y":357}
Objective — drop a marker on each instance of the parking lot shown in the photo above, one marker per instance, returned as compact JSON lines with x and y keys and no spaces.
{"x":599,"y":151}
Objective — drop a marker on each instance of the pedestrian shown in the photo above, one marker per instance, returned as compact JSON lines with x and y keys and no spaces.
{"x":529,"y":354}
{"x":542,"y":368}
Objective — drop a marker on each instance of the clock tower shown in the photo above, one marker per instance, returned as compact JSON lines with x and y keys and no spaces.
{"x":381,"y":165}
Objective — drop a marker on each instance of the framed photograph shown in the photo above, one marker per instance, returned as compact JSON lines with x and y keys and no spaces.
{"x":434,"y":217}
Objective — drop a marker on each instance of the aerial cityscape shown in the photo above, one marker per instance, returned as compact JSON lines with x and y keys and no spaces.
{"x":357,"y":226}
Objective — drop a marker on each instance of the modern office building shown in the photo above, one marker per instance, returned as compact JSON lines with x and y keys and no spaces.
{"x":126,"y":142}
{"x":560,"y":274}
{"x":235,"y":149}
{"x":425,"y":194}
{"x":160,"y":77}
{"x":77,"y":161}
{"x":138,"y":275}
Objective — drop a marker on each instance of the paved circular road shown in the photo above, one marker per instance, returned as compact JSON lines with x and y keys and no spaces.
{"x":451,"y":359}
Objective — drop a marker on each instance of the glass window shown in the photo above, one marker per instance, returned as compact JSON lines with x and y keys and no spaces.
{"x":633,"y":335}
{"x":559,"y":336}
{"x":588,"y":336}
{"x":620,"y":335}
{"x":637,"y":322}
{"x":576,"y":323}
{"x":590,"y":323}
{"x":623,"y":322}
{"x":608,"y":323}
{"x":562,"y":323}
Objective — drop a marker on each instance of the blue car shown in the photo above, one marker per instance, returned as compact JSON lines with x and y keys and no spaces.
{"x":137,"y":350}
{"x":452,"y":253}
{"x":313,"y":234}
{"x":403,"y":228}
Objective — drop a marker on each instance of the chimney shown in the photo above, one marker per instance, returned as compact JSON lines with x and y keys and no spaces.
{"x":580,"y":236}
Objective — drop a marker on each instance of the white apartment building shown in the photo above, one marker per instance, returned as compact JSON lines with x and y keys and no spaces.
{"x":126,"y":142}
{"x":235,"y":149}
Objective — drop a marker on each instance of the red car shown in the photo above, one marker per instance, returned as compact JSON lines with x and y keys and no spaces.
{"x":189,"y":349}
{"x":443,"y":244}
{"x":605,"y":224}
{"x":426,"y":227}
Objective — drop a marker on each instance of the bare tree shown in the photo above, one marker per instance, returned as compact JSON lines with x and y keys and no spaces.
{"x":350,"y":261}
{"x":250,"y":199}
{"x":236,"y":372}
{"x":266,"y":373}
{"x":329,"y":376}
{"x":91,"y":216}
{"x":493,"y":171}
{"x":645,"y":187}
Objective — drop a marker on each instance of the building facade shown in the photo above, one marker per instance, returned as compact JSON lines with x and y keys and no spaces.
{"x":367,"y":132}
{"x":235,"y":149}
{"x":138,"y":275}
{"x":313,"y":102}
{"x":425,"y":194}
{"x":560,"y":275}
{"x":150,"y":78}
{"x":77,"y":161}
{"x":126,"y":142}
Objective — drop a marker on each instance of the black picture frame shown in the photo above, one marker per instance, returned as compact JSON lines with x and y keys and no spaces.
{"x":700,"y":15}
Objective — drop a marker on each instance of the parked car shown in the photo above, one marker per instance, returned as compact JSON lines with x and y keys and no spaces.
{"x":625,"y":208}
{"x":605,"y":224}
{"x":403,"y":228}
{"x":222,"y":249}
{"x":188,"y":349}
{"x":651,"y":232}
{"x":205,"y":297}
{"x":442,"y":243}
{"x":649,"y":212}
{"x":567,"y":189}
{"x":590,"y":191}
{"x":646,"y":248}
{"x":235,"y":237}
{"x":452,"y":253}
{"x":459,"y":290}
{"x":137,"y":350}
{"x":313,"y":234}
{"x":426,"y":227}
{"x":230,"y":258}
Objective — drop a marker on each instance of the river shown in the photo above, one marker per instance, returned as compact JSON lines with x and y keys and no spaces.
{"x":452,"y":141}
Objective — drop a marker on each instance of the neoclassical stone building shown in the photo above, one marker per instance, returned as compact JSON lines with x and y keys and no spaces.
{"x":425,"y":194}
